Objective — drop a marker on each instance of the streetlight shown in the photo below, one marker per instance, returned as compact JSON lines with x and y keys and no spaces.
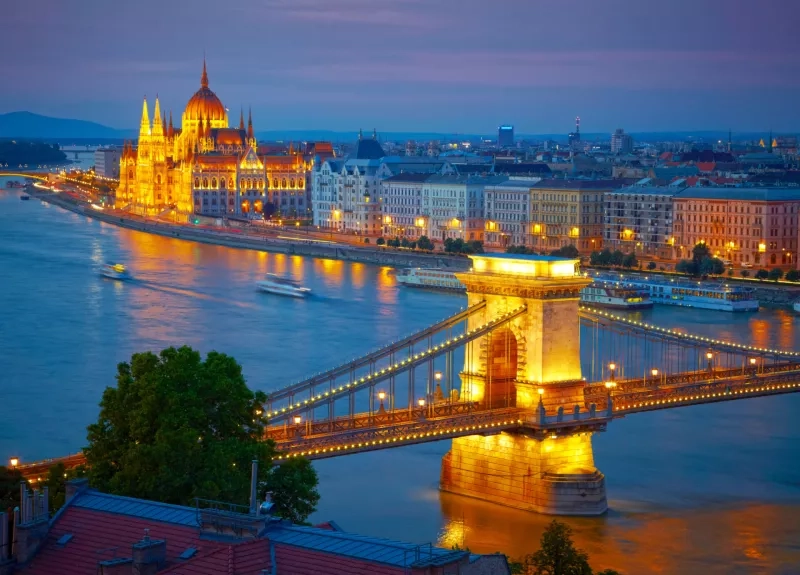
{"x":297,"y":419}
{"x":438,"y":393}
{"x":421,"y":402}
{"x":709,"y":357}
{"x":14,"y":461}
{"x":381,"y":397}
{"x":612,"y":367}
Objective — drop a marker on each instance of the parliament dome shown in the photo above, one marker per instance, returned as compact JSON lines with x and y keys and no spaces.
{"x":204,"y":103}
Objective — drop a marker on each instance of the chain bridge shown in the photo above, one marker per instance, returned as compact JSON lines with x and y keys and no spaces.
{"x":519,"y":380}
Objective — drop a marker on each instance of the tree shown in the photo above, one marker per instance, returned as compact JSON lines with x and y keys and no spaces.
{"x":178,"y":427}
{"x":557,"y":554}
{"x":617,"y":258}
{"x":762,"y":274}
{"x":629,"y":261}
{"x":568,"y":251}
{"x":792,"y":276}
{"x":294,"y":489}
{"x":651,"y":265}
{"x":366,"y":240}
{"x":684,"y":267}
{"x":745,"y":273}
{"x":10,"y":479}
{"x":424,"y":243}
{"x":405,"y":243}
{"x":775,"y":274}
{"x":57,"y":476}
{"x":476,"y":246}
{"x":700,"y":252}
{"x":380,"y":241}
{"x":730,"y":272}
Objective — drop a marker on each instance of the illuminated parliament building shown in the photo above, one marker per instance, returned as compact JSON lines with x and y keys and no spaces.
{"x":206,"y":167}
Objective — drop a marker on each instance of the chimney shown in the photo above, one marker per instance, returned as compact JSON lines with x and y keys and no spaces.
{"x":149,"y":555}
{"x":253,"y":488}
{"x":74,"y":487}
{"x":119,"y":566}
{"x":31,"y":523}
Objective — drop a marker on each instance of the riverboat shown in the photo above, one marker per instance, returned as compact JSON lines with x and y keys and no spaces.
{"x":282,"y":286}
{"x":114,"y":272}
{"x":705,"y":295}
{"x":430,"y":278}
{"x":24,"y":197}
{"x":796,"y":306}
{"x":615,"y":296}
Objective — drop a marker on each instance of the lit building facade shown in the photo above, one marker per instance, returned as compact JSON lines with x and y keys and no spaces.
{"x":507,"y":213}
{"x":206,"y":167}
{"x":639,"y":219}
{"x":106,"y":162}
{"x":621,"y":143}
{"x":757,"y":226}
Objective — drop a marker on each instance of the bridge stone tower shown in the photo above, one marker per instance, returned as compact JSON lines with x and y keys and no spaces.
{"x":531,"y":362}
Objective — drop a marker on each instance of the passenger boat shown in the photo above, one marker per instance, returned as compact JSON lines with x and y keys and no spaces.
{"x":114,"y":272}
{"x":615,"y":296}
{"x":430,"y":278}
{"x":705,"y":295}
{"x":282,"y":286}
{"x":796,"y":306}
{"x":24,"y":197}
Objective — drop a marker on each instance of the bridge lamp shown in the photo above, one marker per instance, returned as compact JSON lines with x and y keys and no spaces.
{"x":421,"y":402}
{"x":610,"y":384}
{"x":753,"y":361}
{"x":438,"y":376}
{"x":297,"y":419}
{"x":381,"y":395}
{"x":654,"y":372}
{"x":14,"y":461}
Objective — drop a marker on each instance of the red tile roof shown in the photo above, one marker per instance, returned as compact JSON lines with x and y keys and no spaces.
{"x":98,"y":536}
{"x":249,"y":558}
{"x":706,"y":166}
{"x":296,"y":561}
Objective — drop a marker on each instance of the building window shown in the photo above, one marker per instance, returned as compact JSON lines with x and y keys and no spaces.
{"x":214,"y":182}
{"x":205,"y":182}
{"x":197,"y":182}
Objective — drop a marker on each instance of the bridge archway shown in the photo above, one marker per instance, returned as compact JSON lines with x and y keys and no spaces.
{"x":501,"y":367}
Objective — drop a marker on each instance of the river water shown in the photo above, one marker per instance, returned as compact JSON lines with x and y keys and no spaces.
{"x":710,"y":489}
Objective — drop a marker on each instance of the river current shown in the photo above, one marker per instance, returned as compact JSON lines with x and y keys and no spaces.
{"x":710,"y":489}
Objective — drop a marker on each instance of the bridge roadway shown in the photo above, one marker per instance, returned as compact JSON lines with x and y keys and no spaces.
{"x":369,"y":359}
{"x":445,"y":420}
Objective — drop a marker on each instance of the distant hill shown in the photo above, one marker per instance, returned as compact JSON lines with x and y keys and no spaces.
{"x":29,"y":125}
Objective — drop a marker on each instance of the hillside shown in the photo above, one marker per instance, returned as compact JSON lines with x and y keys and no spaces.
{"x":35,"y":126}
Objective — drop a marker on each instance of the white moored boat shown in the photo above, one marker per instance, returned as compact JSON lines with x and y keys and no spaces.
{"x":606,"y":294}
{"x":430,"y":278}
{"x":796,"y":306}
{"x":282,"y":286}
{"x":114,"y":272}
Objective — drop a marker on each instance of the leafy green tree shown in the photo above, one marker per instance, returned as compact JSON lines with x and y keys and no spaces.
{"x":405,"y":243}
{"x":792,"y":276}
{"x":178,"y":427}
{"x":699,"y":252}
{"x":775,"y":274}
{"x":294,"y":489}
{"x":557,"y":554}
{"x":629,"y":261}
{"x":10,"y":479}
{"x":366,"y":240}
{"x":380,"y":241}
{"x":476,"y":246}
{"x":568,"y":251}
{"x":684,"y":267}
{"x":617,"y":258}
{"x":762,"y":274}
{"x":651,"y":265}
{"x":745,"y":273}
{"x":730,"y":272}
{"x":57,"y":477}
{"x":424,"y":243}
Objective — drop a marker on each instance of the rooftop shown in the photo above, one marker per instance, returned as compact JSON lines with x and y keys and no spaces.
{"x":741,"y":194}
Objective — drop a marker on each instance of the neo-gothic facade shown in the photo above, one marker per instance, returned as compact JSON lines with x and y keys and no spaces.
{"x":205,"y":167}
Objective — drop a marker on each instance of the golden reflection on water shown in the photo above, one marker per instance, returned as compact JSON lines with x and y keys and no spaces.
{"x":752,"y":538}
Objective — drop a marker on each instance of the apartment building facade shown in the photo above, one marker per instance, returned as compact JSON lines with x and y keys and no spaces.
{"x":639,"y":219}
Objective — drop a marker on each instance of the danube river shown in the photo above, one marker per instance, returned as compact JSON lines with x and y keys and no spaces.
{"x":711,"y":489}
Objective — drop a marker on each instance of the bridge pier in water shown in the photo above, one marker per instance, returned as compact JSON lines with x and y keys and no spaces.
{"x":533,"y":362}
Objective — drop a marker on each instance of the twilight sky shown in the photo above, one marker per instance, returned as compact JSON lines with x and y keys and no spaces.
{"x":413,"y":65}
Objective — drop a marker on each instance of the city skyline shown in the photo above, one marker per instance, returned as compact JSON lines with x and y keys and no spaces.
{"x":404,"y":65}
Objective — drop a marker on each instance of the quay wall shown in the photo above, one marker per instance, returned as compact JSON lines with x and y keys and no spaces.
{"x":375,"y":256}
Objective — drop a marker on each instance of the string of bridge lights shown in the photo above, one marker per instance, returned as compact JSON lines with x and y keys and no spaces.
{"x":688,"y":336}
{"x":394,"y":367}
{"x":700,"y":396}
{"x":400,"y":439}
